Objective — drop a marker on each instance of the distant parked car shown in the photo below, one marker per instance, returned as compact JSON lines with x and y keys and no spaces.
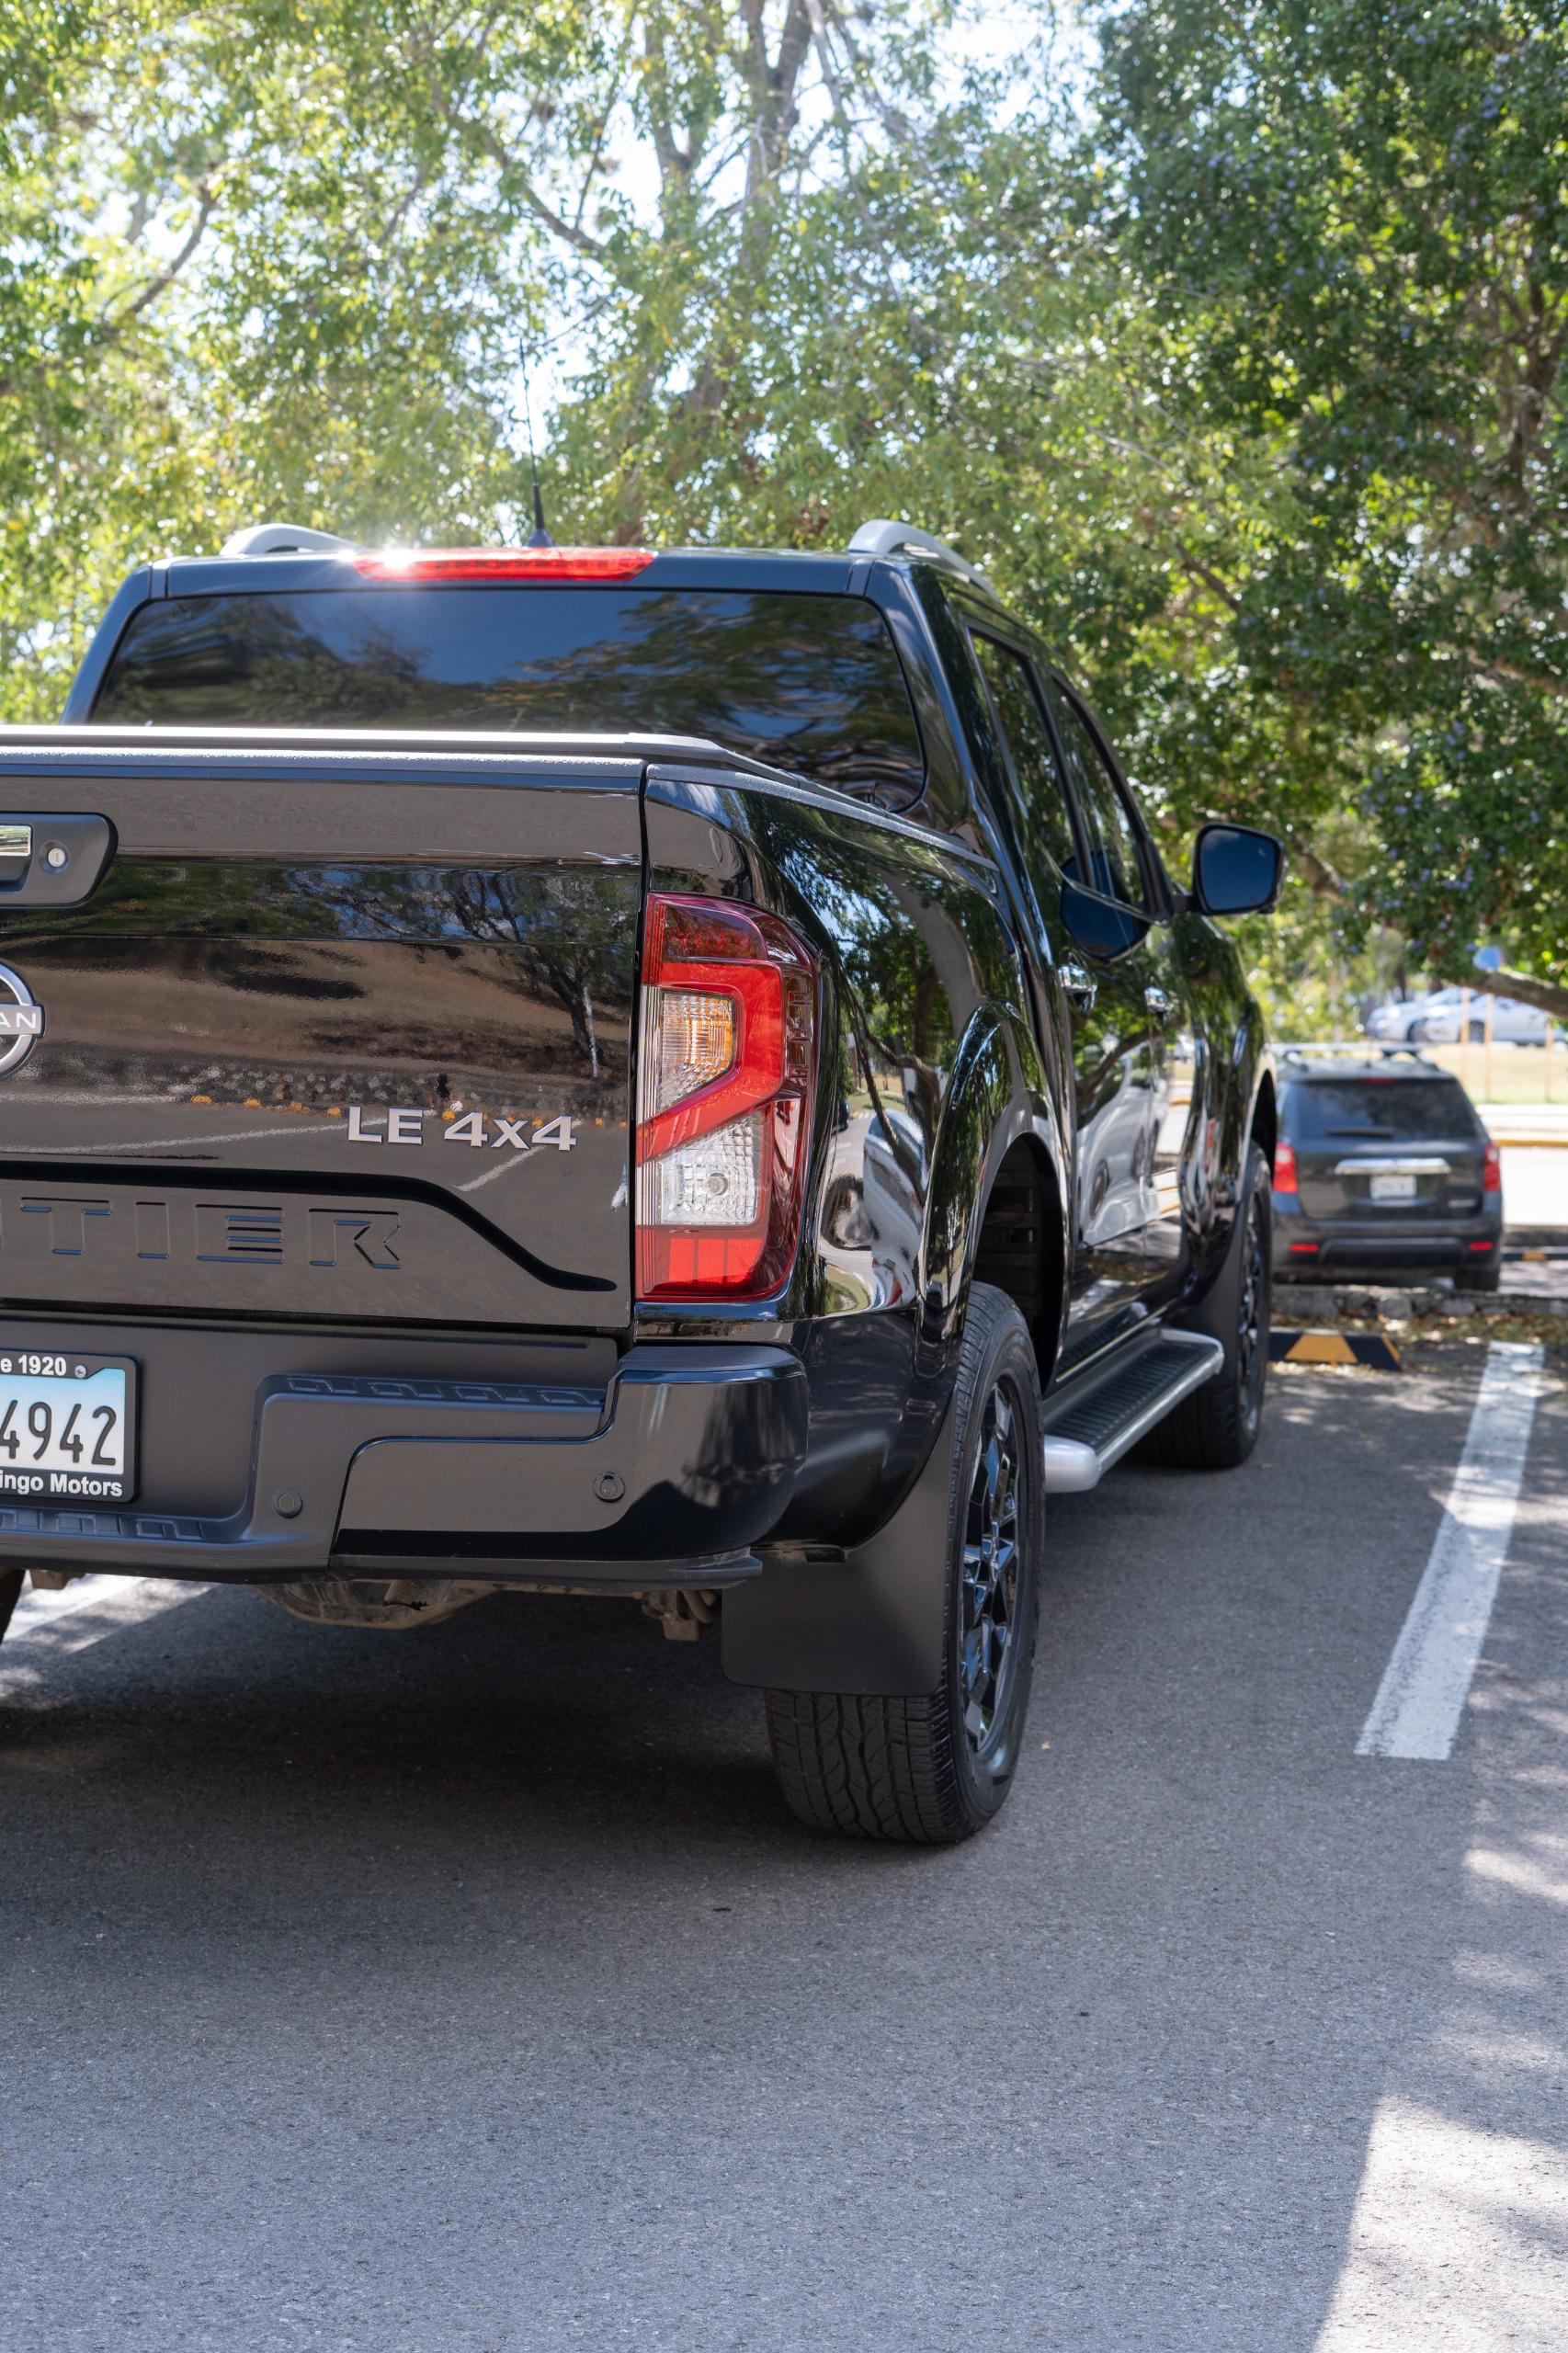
{"x":1390,"y":1021}
{"x":1383,"y":1170}
{"x":1437,"y":1020}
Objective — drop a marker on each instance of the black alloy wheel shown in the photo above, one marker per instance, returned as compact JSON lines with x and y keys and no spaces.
{"x":989,"y":1578}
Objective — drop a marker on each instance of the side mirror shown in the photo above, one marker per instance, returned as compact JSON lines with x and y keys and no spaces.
{"x":1236,"y":870}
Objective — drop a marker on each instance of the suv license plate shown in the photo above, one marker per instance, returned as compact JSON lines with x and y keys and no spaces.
{"x":1392,"y":1188}
{"x":67,"y":1427}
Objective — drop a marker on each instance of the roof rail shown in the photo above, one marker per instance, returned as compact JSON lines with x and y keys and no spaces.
{"x":1367,"y":1050}
{"x":285,"y":539}
{"x":882,"y":536}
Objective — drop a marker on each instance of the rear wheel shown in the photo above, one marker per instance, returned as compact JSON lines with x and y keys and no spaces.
{"x":1217,"y":1427}
{"x":10,"y":1594}
{"x":932,"y":1768}
{"x":1479,"y":1278}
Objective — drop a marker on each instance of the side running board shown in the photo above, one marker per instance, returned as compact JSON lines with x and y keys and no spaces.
{"x":1092,"y":1435}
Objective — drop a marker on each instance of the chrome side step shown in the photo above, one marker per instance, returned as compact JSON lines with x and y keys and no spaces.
{"x":1108,"y":1422}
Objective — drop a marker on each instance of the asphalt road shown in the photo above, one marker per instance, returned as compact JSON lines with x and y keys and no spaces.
{"x":465,"y":1989}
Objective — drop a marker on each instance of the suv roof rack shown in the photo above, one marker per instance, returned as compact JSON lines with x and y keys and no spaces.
{"x":285,"y":539}
{"x":1313,"y":1051}
{"x":882,"y":536}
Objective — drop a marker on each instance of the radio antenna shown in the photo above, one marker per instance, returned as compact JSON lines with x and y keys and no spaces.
{"x":539,"y":536}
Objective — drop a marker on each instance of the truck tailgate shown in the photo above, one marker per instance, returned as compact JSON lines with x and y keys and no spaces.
{"x":341,"y":1034}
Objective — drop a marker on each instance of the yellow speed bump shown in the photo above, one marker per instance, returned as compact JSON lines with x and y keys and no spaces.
{"x":1368,"y":1349}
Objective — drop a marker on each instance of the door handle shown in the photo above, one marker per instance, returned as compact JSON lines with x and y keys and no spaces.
{"x":1160,"y":1004}
{"x":48,"y":861}
{"x":1079,"y":986}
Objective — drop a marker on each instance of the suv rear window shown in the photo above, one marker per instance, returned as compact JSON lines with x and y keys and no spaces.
{"x":1317,"y":1109}
{"x":806,"y":682}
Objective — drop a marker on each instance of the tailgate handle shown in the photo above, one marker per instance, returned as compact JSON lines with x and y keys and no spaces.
{"x":49,"y":860}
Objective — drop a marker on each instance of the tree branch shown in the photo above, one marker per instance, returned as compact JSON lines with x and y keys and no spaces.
{"x":1548,"y":997}
{"x":1199,"y":570}
{"x":1518,"y":674}
{"x":1317,"y":873}
{"x":164,"y":279}
{"x":506,"y":162}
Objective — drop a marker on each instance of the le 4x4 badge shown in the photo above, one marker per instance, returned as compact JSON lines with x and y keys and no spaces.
{"x":401,"y":1123}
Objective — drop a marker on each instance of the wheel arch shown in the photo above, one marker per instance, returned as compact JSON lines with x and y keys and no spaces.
{"x":996,"y":1210}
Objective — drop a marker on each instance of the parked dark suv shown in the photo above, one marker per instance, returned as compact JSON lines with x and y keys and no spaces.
{"x":1384,"y":1169}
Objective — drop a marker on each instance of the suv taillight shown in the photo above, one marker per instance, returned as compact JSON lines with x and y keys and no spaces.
{"x":1491,"y":1170}
{"x":1284,"y":1166}
{"x":727,"y":1064}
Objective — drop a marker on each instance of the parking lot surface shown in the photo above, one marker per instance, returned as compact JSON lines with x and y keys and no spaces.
{"x":466,"y":1989}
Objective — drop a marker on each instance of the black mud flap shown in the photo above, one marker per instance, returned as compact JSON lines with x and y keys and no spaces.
{"x":870,"y":1624}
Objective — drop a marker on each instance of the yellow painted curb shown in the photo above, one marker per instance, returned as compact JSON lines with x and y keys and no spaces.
{"x":1368,"y":1348}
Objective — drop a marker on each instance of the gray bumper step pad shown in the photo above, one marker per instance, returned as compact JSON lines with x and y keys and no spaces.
{"x":1081,"y":1446}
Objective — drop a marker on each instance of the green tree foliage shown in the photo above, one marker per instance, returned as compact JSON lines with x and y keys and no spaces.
{"x":1358,"y":211}
{"x":1247,"y":391}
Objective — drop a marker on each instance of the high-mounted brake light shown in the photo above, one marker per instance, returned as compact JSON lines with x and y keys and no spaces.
{"x":727,"y":1065}
{"x":503,"y":564}
{"x":1284,"y":1166}
{"x":1491,"y":1170}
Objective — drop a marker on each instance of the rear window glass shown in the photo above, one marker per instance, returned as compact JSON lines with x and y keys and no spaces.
{"x":1416,"y":1107}
{"x":808,"y":683}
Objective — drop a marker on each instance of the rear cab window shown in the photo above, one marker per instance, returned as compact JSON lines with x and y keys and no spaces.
{"x":1333,"y":1111}
{"x":808,"y":682}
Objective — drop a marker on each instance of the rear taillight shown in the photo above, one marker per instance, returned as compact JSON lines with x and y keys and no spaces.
{"x":1284,"y":1166}
{"x":503,"y":564}
{"x":1491,"y":1170}
{"x":727,"y":1064}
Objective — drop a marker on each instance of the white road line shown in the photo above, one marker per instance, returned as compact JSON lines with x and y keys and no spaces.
{"x":1426,"y":1682}
{"x":165,"y":1143}
{"x":513,"y":1160}
{"x":53,"y":1625}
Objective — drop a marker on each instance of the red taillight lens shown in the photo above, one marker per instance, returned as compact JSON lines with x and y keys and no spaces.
{"x":503,"y":564}
{"x":726,"y":1070}
{"x":1284,"y":1166}
{"x":1491,"y":1170}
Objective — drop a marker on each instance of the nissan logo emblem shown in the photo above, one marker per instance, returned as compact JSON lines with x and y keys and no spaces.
{"x":21,"y":1021}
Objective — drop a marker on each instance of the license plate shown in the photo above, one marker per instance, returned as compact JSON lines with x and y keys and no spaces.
{"x":1392,"y":1188}
{"x":67,"y":1427}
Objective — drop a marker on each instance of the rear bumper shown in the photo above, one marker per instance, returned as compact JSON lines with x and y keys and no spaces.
{"x":1401,"y":1249}
{"x":670,"y":1474}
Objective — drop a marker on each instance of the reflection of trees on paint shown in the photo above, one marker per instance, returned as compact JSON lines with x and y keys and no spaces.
{"x":574,"y":936}
{"x":886,"y":957}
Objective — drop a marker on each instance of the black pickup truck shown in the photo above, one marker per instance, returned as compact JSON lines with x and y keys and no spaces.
{"x":678,"y":1074}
